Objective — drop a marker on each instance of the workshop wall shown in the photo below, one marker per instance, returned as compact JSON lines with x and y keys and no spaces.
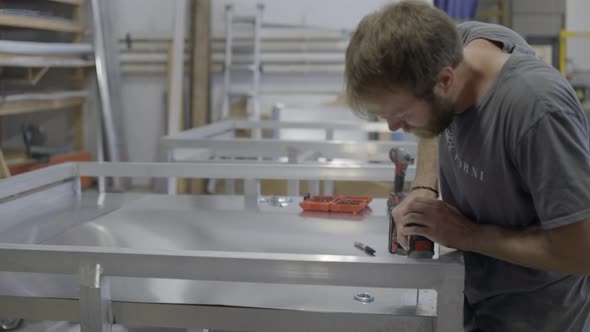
{"x":144,"y":93}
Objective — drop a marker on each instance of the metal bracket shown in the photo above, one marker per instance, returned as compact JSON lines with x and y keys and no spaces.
{"x":95,"y":304}
{"x":251,"y":193}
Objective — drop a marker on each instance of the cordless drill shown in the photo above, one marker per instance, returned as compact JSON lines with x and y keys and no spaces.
{"x":420,"y":247}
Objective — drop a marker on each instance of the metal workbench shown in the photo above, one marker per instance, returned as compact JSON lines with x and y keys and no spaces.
{"x":316,"y":142}
{"x":238,"y":263}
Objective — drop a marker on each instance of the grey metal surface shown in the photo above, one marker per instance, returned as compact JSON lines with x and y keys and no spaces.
{"x":263,"y":266}
{"x":246,"y":171}
{"x":219,"y":224}
{"x":158,"y":222}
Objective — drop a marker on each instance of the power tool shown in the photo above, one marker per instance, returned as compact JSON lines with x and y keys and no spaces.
{"x":420,"y":247}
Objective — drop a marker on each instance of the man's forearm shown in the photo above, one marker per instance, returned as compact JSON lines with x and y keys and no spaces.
{"x":560,"y":250}
{"x":427,"y":165}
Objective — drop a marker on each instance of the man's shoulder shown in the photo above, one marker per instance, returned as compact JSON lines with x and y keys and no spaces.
{"x":533,"y":90}
{"x":534,"y":80}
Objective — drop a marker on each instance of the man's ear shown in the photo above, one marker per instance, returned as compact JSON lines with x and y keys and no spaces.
{"x":444,"y":80}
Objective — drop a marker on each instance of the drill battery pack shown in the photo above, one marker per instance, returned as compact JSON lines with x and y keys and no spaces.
{"x":420,"y":247}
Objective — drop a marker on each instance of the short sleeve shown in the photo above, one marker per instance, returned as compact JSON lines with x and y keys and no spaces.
{"x":553,"y":159}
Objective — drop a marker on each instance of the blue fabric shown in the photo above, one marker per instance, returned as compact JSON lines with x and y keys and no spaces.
{"x":458,"y":9}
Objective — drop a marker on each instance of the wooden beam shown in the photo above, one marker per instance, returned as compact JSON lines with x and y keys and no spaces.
{"x":70,"y":2}
{"x":30,"y":106}
{"x":200,"y":72}
{"x":41,"y":23}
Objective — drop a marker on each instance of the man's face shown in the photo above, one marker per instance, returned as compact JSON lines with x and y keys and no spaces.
{"x":422,"y":118}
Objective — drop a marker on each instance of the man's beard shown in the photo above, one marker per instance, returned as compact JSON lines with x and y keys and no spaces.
{"x":442,"y":116}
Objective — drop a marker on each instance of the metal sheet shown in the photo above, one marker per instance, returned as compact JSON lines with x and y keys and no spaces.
{"x":164,"y":252}
{"x":246,"y":171}
{"x":219,"y":224}
{"x":297,"y":249}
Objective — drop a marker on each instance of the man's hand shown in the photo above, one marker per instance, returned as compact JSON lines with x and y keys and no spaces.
{"x":435,"y":220}
{"x":400,"y":211}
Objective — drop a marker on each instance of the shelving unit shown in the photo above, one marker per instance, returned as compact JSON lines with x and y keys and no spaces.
{"x":40,"y":103}
{"x":37,"y":58}
{"x":42,"y":23}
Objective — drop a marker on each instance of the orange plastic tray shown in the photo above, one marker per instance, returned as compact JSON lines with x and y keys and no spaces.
{"x":318,"y":203}
{"x":349,"y":204}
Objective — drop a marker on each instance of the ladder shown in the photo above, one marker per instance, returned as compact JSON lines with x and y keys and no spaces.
{"x":253,"y":92}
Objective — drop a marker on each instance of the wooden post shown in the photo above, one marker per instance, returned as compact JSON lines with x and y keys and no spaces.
{"x":200,"y":72}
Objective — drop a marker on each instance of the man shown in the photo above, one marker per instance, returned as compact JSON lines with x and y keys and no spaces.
{"x":513,"y":161}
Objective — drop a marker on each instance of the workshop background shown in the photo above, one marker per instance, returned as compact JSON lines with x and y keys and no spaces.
{"x":302,"y":57}
{"x":108,"y":80}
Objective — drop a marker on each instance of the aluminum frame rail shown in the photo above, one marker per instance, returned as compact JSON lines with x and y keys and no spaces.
{"x":217,"y":141}
{"x":95,"y":266}
{"x":108,"y":77}
{"x":214,"y":137}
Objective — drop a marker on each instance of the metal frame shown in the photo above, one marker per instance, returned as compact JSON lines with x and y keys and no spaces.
{"x":214,"y":137}
{"x":94,"y":266}
{"x":218,"y":141}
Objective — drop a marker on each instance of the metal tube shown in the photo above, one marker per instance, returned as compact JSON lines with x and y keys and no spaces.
{"x":253,"y":171}
{"x":298,"y":269}
{"x":175,"y":104}
{"x":229,"y":10}
{"x":107,"y":76}
{"x":23,"y":183}
{"x":171,"y":183}
{"x":257,"y":133}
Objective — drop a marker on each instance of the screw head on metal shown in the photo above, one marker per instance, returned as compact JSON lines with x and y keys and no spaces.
{"x":364,"y":297}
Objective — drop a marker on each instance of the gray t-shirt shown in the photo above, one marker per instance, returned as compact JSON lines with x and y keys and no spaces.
{"x":519,"y":158}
